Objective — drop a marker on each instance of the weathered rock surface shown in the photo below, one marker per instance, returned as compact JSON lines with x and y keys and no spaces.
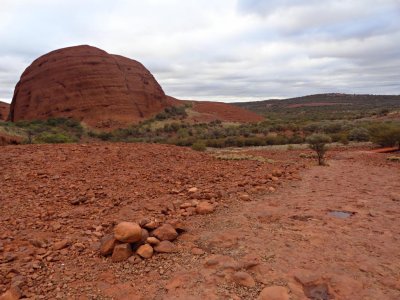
{"x":145,"y":251}
{"x":121,"y":252}
{"x":165,"y":232}
{"x":90,"y":85}
{"x":274,"y":293}
{"x":12,"y":294}
{"x":204,"y":208}
{"x":107,"y":244}
{"x":165,"y":247}
{"x":128,"y":232}
{"x":152,"y":240}
{"x":4,"y":110}
{"x":244,"y":279}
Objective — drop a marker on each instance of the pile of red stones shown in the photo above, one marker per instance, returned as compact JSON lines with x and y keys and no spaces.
{"x":143,"y":239}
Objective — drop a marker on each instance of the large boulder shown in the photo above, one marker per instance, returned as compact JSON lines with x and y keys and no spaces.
{"x":90,"y":85}
{"x":128,"y":232}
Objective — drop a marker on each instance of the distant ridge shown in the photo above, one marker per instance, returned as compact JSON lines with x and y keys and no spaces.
{"x":329,"y":101}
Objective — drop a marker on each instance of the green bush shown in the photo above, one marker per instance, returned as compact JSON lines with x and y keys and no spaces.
{"x":199,"y":146}
{"x":386,"y":134}
{"x":317,"y":142}
{"x":359,"y":134}
{"x":54,"y":138}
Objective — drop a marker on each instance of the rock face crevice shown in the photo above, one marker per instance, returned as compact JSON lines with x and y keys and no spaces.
{"x":90,"y":85}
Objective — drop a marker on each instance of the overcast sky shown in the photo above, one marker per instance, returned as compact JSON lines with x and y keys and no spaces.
{"x":231,"y":50}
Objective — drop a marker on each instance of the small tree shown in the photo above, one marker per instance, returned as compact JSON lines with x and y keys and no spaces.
{"x":317,"y":142}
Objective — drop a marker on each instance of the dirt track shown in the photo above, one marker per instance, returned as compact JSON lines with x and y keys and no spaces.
{"x":285,"y":238}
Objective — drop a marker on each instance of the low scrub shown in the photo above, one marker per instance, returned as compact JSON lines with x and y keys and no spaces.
{"x":394,"y":158}
{"x":243,"y":157}
{"x":53,"y":138}
{"x":199,"y":146}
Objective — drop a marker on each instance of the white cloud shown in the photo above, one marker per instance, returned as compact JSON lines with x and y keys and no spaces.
{"x":226,"y":49}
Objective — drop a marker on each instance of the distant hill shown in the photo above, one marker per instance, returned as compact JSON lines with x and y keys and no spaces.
{"x":325,"y":106}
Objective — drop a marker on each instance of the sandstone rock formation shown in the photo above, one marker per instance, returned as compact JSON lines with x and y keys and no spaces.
{"x":90,"y":85}
{"x":210,"y":111}
{"x":4,"y":110}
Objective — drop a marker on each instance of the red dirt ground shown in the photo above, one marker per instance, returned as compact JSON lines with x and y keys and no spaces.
{"x":284,"y":238}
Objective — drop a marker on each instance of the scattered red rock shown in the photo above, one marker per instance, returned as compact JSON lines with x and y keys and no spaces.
{"x":165,"y":247}
{"x":165,"y":232}
{"x":244,"y":279}
{"x":152,"y":240}
{"x":277,"y":239}
{"x":204,"y":208}
{"x":121,"y":252}
{"x":13,"y":293}
{"x":107,"y":245}
{"x":145,"y":251}
{"x":274,"y":293}
{"x":128,"y":232}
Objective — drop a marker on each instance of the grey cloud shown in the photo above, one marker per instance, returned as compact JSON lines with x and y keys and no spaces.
{"x":222,"y":50}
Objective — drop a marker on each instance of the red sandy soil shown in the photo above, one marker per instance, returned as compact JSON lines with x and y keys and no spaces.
{"x":279,"y":238}
{"x":4,"y":110}
{"x":211,"y":111}
{"x":386,"y":150}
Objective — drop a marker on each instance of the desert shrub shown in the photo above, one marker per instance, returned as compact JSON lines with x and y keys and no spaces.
{"x":54,"y":138}
{"x":105,"y":136}
{"x":276,"y":140}
{"x":233,"y":156}
{"x":385,"y":134}
{"x":317,"y":142}
{"x":308,"y":155}
{"x":312,"y":127}
{"x":254,"y":141}
{"x":171,"y":112}
{"x":215,"y":143}
{"x":343,"y":139}
{"x":199,"y":146}
{"x":332,"y":127}
{"x":394,"y":158}
{"x":296,"y":139}
{"x":338,"y":137}
{"x":359,"y":134}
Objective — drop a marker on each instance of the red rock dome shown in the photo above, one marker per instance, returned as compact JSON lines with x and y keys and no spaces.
{"x":90,"y":85}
